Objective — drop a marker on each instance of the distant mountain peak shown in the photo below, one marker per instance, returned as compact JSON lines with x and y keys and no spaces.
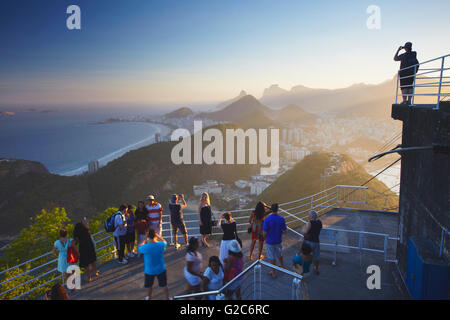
{"x":224,"y":104}
{"x":274,"y":90}
{"x":179,"y":113}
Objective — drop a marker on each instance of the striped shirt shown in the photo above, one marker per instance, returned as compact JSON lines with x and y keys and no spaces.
{"x":154,"y":212}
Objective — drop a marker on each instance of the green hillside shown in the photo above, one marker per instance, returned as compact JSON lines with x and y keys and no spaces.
{"x":148,"y":170}
{"x":304,"y":180}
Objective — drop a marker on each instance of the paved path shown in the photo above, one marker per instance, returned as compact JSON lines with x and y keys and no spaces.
{"x":346,"y":280}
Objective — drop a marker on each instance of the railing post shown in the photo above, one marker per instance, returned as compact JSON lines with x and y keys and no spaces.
{"x":442,"y":242}
{"x":396,"y":91}
{"x":335,"y":248}
{"x":260,"y":281}
{"x":296,"y":287}
{"x":312,"y":203}
{"x":440,"y":83}
{"x":414,"y":86}
{"x":385,"y":247}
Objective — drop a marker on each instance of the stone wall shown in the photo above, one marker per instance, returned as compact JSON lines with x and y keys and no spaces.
{"x":425,"y":177}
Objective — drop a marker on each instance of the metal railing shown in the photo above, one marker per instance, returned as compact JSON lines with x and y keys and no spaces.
{"x":256,"y":286}
{"x":294,"y":212}
{"x":429,"y":82}
{"x":47,"y":269}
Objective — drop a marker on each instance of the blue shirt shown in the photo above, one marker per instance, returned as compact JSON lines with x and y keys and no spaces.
{"x":274,"y":225}
{"x":153,"y":257}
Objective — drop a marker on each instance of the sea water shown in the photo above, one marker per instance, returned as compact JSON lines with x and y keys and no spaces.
{"x":65,"y":141}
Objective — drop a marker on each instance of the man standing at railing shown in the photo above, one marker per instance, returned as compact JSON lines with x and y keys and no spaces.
{"x":311,"y":234}
{"x":274,"y":227}
{"x":176,"y":218}
{"x":407,"y":72}
{"x":154,"y":214}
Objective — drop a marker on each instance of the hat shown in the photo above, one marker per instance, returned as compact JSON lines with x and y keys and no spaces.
{"x":150,"y":197}
{"x":173,"y":198}
{"x":234,"y":246}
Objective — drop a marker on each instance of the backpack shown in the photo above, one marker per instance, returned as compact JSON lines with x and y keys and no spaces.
{"x":72,"y":255}
{"x":110,"y":223}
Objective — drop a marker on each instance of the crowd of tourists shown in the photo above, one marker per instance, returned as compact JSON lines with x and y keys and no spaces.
{"x":138,"y":234}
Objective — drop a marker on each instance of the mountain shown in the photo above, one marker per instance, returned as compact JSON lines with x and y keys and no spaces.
{"x":27,"y":187}
{"x":293,"y":113}
{"x":228,"y":102}
{"x":257,"y":120}
{"x":274,"y":91}
{"x":358,"y":100}
{"x":305,"y":179}
{"x":179,"y":113}
{"x":235,"y":111}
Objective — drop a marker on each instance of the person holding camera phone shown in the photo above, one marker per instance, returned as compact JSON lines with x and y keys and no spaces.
{"x":176,"y":218}
{"x":229,"y":228}
{"x":409,"y":61}
{"x":154,"y":266}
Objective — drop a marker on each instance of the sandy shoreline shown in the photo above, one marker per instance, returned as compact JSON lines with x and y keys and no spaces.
{"x":163,"y":130}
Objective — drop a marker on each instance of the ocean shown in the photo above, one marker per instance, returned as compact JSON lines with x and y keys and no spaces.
{"x":65,"y":141}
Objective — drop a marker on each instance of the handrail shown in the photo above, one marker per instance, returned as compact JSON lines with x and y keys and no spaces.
{"x":315,"y":203}
{"x":236,"y":278}
{"x":435,"y":89}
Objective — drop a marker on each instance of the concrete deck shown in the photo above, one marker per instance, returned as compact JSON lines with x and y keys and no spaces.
{"x":346,"y":280}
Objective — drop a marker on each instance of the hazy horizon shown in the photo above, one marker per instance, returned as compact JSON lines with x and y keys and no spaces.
{"x":201,"y":53}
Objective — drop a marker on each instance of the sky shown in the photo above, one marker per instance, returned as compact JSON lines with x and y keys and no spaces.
{"x":156,"y":52}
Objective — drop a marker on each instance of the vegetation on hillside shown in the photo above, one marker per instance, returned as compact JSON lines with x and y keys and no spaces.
{"x":305,"y":179}
{"x":36,"y":241}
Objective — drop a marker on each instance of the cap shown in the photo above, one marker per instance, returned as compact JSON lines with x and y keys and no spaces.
{"x":150,"y":197}
{"x":234,"y":246}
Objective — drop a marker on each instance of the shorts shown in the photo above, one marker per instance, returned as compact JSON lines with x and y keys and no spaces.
{"x":179,"y":225}
{"x":130,"y":237}
{"x":141,"y":238}
{"x":274,"y":251}
{"x":315,"y":246}
{"x":162,"y":280}
{"x":305,"y":264}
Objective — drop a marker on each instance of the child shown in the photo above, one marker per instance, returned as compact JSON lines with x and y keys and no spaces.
{"x":304,"y":259}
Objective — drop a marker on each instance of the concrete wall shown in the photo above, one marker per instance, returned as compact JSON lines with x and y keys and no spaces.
{"x":425,"y":177}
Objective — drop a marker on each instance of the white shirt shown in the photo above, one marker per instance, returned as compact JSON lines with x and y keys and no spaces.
{"x":215,"y":280}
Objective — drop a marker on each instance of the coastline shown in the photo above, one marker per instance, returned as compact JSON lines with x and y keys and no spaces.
{"x":162,"y":129}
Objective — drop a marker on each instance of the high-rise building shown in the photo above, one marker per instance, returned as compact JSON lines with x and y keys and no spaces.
{"x":93,"y":166}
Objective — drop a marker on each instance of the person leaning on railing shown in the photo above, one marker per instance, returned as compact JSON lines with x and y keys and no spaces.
{"x":256,"y":221}
{"x":311,"y":235}
{"x":408,"y":60}
{"x":86,"y":248}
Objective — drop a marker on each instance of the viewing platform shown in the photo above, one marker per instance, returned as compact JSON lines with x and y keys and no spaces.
{"x":344,"y":280}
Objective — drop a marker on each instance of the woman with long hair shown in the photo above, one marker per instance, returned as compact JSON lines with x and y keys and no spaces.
{"x":256,"y":221}
{"x":193,"y":270}
{"x":86,"y":248}
{"x":131,"y":233}
{"x":205,"y":218}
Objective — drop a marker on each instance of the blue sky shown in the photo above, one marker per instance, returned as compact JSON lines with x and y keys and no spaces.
{"x":200,"y":51}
